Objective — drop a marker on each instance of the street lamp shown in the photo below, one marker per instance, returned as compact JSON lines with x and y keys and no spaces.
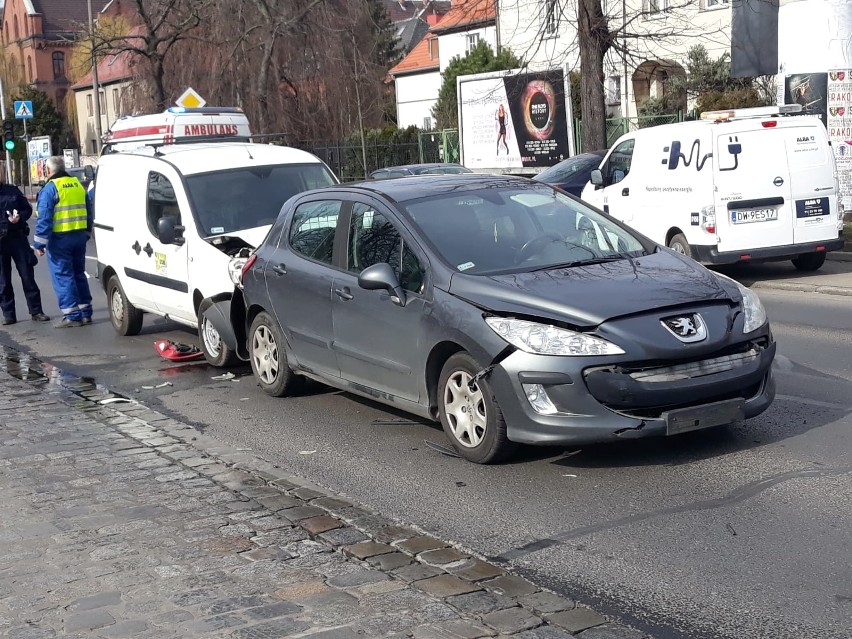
{"x":95,"y":86}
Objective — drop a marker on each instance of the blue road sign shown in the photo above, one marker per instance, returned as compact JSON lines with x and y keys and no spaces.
{"x":23,"y":109}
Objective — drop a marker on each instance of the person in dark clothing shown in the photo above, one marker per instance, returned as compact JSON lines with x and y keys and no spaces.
{"x":15,"y":210}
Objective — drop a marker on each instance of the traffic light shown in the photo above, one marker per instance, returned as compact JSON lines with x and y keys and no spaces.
{"x":9,"y":135}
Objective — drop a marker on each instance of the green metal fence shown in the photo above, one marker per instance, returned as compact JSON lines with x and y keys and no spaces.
{"x":616,"y":127}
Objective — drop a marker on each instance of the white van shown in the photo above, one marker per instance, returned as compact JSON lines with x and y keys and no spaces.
{"x":735,"y":186}
{"x":168,"y":220}
{"x":176,"y":125}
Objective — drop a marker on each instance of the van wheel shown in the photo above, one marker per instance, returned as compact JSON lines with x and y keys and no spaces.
{"x":469,"y":413}
{"x":214,"y":349}
{"x":809,"y":261}
{"x":126,"y":319}
{"x":679,"y":244}
{"x":268,"y":354}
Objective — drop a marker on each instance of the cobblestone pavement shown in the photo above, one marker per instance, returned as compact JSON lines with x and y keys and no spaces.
{"x":117,"y":521}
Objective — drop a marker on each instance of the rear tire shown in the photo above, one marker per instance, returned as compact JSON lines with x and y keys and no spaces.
{"x":679,"y":244}
{"x":214,"y":349}
{"x":471,"y":417}
{"x":268,"y":355}
{"x":126,"y":319}
{"x":809,"y":261}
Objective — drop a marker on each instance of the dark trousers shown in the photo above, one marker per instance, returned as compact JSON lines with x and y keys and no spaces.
{"x":17,"y":247}
{"x":66,"y":255}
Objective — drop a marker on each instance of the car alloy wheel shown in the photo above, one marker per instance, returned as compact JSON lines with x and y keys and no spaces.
{"x":264,"y":354}
{"x":469,"y":412}
{"x":465,"y":407}
{"x":268,"y":356}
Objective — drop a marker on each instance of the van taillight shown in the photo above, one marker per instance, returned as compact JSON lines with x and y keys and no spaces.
{"x":769,"y":124}
{"x":249,"y":263}
{"x":708,"y":219}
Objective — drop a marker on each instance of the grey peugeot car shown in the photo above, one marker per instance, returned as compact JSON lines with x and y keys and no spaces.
{"x":501,"y":307}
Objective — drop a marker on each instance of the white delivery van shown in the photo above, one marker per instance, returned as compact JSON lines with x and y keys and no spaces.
{"x":176,"y":125}
{"x":735,"y":186}
{"x":169,"y":218}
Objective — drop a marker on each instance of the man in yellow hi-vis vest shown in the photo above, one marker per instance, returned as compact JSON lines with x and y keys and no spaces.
{"x":65,"y":221}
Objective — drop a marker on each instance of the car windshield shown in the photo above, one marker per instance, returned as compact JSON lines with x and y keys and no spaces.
{"x":519,"y":228}
{"x":248,"y":197}
{"x":568,"y":169}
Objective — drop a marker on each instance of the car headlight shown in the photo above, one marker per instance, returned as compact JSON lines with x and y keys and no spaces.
{"x":755,"y":314}
{"x":235,"y":269}
{"x":542,"y":339}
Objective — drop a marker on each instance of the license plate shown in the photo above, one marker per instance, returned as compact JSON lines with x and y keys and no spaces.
{"x":685,"y":420}
{"x":754,"y":215}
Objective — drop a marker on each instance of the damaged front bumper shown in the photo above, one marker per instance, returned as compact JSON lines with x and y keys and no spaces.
{"x":598,"y":403}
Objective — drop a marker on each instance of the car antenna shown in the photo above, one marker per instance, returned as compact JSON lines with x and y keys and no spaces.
{"x":248,"y":150}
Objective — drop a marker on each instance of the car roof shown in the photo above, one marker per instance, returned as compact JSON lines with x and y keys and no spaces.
{"x":424,"y":165}
{"x":414,"y":187}
{"x":195,"y":158}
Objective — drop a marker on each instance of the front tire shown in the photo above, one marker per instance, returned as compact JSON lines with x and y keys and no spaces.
{"x":809,"y":261}
{"x":470,"y":414}
{"x":679,"y":244}
{"x":268,"y":355}
{"x":214,"y":349}
{"x":126,"y":319}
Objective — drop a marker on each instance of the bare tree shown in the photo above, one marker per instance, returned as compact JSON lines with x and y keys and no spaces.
{"x":608,"y":33}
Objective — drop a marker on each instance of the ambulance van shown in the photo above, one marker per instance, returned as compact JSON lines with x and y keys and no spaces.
{"x":735,"y":186}
{"x":170,"y":214}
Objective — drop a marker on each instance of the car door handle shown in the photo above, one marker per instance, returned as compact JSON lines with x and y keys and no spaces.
{"x":625,"y":191}
{"x":137,"y":247}
{"x":343,"y":293}
{"x":280,"y":269}
{"x":148,"y":250}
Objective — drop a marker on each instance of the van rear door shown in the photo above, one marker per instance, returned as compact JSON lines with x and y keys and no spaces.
{"x":812,"y":170}
{"x":753,"y":197}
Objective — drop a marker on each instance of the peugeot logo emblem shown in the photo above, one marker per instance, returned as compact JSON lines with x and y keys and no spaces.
{"x":779,"y":181}
{"x":687,"y":328}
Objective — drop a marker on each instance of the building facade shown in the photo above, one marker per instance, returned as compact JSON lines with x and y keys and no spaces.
{"x":418,"y":76}
{"x":38,"y":37}
{"x":652,"y":39}
{"x":114,"y":82}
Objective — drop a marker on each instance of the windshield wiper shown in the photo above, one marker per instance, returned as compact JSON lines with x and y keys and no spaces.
{"x":586,"y":262}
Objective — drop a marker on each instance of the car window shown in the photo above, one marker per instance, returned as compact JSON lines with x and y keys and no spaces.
{"x":379,"y":175}
{"x":373,"y":239}
{"x":161,"y":200}
{"x":313,"y":229}
{"x":618,"y":165}
{"x":518,"y":228}
{"x":568,"y":170}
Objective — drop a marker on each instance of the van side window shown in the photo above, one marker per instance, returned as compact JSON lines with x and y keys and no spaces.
{"x":313,"y":228}
{"x":161,"y":200}
{"x":618,"y":165}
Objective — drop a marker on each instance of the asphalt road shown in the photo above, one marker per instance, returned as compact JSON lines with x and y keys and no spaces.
{"x":735,"y":532}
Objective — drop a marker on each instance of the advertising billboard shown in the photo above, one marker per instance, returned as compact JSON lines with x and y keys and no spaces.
{"x":511,"y":120}
{"x":38,"y":151}
{"x":809,"y":90}
{"x":840,"y":130}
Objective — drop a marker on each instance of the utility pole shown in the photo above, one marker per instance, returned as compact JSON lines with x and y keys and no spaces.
{"x":95,"y":86}
{"x":3,"y":113}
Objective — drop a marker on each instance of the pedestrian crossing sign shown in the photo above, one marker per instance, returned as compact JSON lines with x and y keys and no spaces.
{"x":23,"y":109}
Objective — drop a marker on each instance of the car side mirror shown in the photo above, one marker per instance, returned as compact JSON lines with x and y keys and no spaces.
{"x":89,"y":172}
{"x":596,"y":178}
{"x":381,"y":277}
{"x":169,"y":231}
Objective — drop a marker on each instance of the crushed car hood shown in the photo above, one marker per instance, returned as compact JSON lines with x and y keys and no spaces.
{"x":235,"y":239}
{"x":586,"y":296}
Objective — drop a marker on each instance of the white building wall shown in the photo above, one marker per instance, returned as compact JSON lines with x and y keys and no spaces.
{"x":814,"y":35}
{"x":454,"y":45}
{"x":416,"y":94}
{"x":112,"y":97}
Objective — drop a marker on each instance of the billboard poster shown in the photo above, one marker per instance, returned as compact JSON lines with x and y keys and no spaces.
{"x":38,"y":151}
{"x":839,"y":126}
{"x":809,"y":90}
{"x":513,"y":121}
